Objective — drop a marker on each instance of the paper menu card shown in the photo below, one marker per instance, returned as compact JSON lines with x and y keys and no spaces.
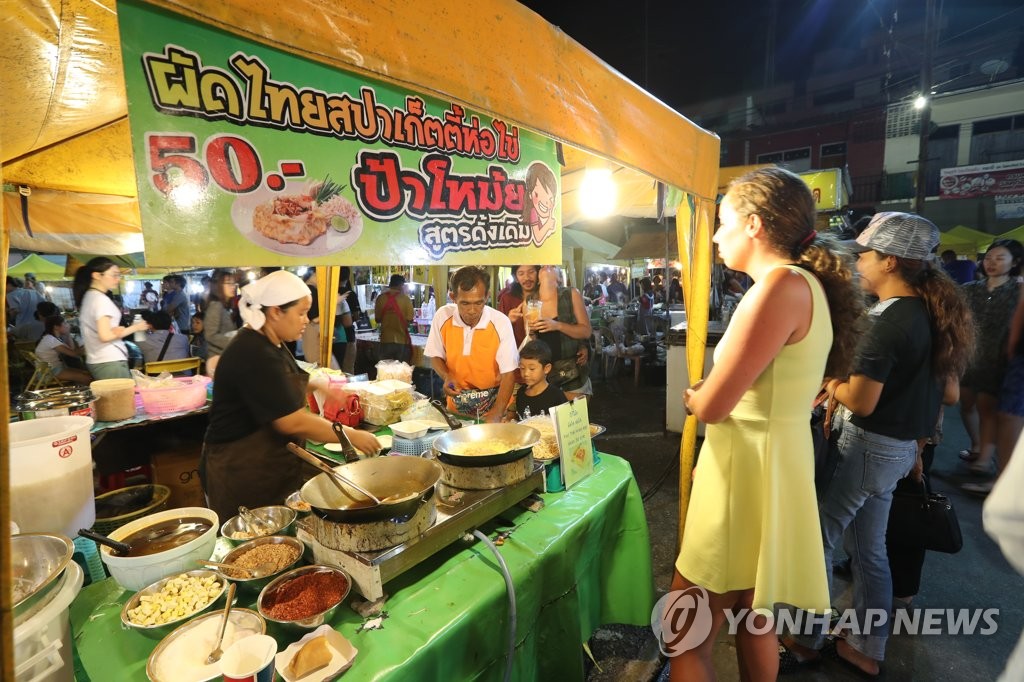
{"x":572,"y":429}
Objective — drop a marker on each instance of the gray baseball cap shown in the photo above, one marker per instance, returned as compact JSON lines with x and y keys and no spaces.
{"x":905,"y":235}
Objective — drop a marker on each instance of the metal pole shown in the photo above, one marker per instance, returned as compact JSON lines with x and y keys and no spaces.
{"x":926,"y":110}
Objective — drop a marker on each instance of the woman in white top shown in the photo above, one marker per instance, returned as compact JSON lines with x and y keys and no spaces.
{"x":106,"y":356}
{"x":51,"y":346}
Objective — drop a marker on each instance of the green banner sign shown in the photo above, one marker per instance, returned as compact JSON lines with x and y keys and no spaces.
{"x":247,"y":155}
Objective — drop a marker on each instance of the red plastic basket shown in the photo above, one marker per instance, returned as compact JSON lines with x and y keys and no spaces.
{"x":188,"y":394}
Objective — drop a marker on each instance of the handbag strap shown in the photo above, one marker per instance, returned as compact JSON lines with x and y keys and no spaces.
{"x":167,"y":342}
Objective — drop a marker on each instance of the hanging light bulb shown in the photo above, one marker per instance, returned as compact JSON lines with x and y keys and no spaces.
{"x":598,"y":193}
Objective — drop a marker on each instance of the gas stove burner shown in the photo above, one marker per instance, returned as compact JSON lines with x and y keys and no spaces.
{"x":485,"y":478}
{"x":372,"y":536}
{"x":458,"y":511}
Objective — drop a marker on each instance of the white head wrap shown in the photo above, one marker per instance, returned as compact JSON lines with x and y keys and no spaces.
{"x":277,"y":288}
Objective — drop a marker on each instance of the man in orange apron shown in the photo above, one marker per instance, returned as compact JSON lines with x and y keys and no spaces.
{"x":393,"y":312}
{"x":472,"y":348}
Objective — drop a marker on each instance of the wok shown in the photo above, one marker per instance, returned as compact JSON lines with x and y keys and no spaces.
{"x":401,"y":483}
{"x":522,"y":438}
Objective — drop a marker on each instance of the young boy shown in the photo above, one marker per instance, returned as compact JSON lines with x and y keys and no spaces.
{"x":537,"y":396}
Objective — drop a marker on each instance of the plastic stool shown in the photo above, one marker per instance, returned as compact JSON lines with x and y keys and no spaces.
{"x":87,"y":555}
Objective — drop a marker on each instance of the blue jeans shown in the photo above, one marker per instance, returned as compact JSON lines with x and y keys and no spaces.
{"x":854,"y":508}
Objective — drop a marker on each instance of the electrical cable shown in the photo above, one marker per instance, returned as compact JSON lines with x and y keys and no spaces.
{"x":673,"y":462}
{"x":511,"y":590}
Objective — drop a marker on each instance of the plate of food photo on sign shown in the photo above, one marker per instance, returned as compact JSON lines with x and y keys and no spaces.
{"x":309,"y":218}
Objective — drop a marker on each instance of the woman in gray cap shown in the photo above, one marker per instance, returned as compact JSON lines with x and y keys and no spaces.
{"x":908,"y":362}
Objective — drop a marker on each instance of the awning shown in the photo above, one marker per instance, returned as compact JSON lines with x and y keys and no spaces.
{"x":649,"y":245}
{"x":42,"y":268}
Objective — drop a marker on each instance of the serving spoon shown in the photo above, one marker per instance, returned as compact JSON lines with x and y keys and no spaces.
{"x":333,"y":475}
{"x":120,"y":548}
{"x":217,"y":652}
{"x":259,"y":571}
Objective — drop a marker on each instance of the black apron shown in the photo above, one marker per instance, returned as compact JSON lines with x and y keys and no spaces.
{"x":254,"y":471}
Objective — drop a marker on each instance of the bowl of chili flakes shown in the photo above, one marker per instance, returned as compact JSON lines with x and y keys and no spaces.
{"x":305,"y":597}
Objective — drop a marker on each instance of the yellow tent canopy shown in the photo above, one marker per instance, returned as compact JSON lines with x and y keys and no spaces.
{"x":76,"y":138}
{"x":1016,"y":233}
{"x":64,"y":131}
{"x":971,"y":242}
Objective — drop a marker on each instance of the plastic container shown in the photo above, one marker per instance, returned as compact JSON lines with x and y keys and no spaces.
{"x":42,"y":644}
{"x":188,"y":393}
{"x":51,"y":475}
{"x":115,"y":399}
{"x":87,"y":556}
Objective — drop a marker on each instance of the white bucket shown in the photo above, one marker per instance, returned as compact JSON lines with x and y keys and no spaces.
{"x":51,"y":475}
{"x":42,"y":644}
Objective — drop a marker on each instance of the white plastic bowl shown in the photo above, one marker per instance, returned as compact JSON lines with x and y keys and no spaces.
{"x":412,"y":429}
{"x":135,"y":573}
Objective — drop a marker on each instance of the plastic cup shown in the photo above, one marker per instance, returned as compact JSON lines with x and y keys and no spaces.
{"x":249,"y":660}
{"x":533,"y":312}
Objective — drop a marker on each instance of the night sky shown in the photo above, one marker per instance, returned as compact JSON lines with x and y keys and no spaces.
{"x":725,"y":39}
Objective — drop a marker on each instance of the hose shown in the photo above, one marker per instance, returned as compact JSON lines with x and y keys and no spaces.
{"x":511,"y":590}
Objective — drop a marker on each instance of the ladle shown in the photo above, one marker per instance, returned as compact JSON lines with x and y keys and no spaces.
{"x":217,"y":652}
{"x":333,"y":475}
{"x":260,"y":571}
{"x":120,"y":548}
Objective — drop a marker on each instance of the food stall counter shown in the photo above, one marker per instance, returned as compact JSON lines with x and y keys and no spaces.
{"x":582,"y":561}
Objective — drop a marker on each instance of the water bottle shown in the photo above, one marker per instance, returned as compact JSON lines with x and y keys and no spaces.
{"x":140,"y":334}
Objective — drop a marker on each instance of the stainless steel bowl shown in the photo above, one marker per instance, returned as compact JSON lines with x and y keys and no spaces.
{"x":239,"y":617}
{"x":257,"y":584}
{"x":295,"y":502}
{"x":315,"y":620}
{"x":38,"y":561}
{"x":279,"y":517}
{"x":161,"y":630}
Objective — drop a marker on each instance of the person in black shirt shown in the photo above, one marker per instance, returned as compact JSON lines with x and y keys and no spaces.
{"x":537,"y":396}
{"x":259,"y":403}
{"x":909,"y":360}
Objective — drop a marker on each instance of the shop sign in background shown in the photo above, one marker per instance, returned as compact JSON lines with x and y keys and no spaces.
{"x":245,"y":155}
{"x":1003,"y":180}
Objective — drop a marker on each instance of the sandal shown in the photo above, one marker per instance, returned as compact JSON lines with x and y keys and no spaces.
{"x":790,"y":663}
{"x":977,"y":489}
{"x":969,"y":455}
{"x":980,"y":468}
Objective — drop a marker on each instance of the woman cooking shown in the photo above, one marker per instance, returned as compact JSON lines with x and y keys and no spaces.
{"x":259,"y":403}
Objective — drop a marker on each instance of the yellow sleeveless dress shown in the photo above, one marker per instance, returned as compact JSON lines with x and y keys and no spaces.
{"x":753,"y":514}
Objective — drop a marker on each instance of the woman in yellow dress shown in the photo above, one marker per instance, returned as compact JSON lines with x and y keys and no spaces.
{"x":752,"y":538}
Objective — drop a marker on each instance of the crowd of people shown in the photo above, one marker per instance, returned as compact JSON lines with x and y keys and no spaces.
{"x":799,"y":337}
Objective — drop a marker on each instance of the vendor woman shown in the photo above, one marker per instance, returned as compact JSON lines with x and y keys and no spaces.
{"x":259,"y":403}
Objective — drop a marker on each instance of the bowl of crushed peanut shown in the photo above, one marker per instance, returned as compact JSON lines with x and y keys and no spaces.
{"x":268,"y":557}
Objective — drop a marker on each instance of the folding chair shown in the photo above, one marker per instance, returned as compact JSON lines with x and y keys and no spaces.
{"x":173,"y":366}
{"x":42,"y":375}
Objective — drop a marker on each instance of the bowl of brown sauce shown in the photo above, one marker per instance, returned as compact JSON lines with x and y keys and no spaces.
{"x":162,"y":543}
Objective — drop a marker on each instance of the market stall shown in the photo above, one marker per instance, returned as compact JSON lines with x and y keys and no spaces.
{"x":574,"y":565}
{"x":73,"y":153}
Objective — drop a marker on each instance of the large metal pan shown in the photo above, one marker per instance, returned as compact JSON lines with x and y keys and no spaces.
{"x":520,"y":438}
{"x":401,"y":483}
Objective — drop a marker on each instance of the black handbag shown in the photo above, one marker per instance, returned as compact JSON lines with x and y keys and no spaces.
{"x":925,"y":519}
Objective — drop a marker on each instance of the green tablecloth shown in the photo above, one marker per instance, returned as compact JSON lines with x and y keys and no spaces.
{"x":581,"y":562}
